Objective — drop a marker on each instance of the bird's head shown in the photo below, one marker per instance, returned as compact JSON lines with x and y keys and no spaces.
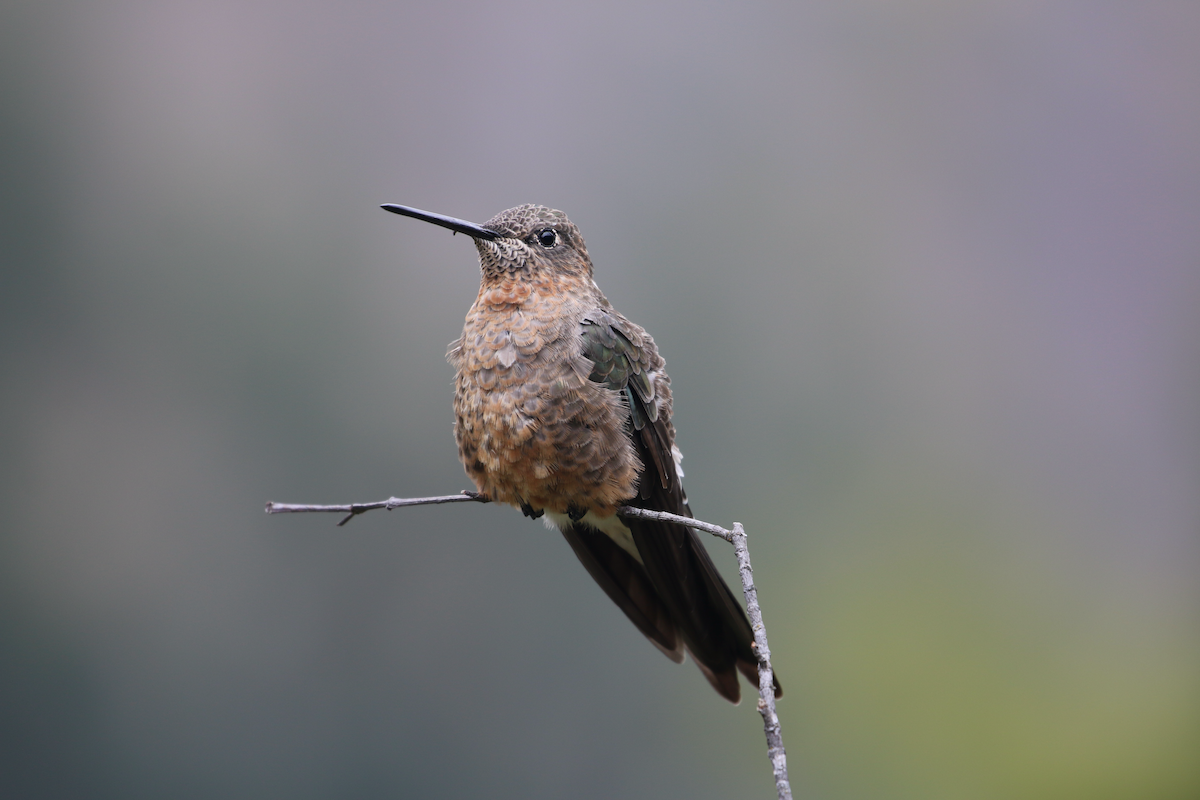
{"x":526,"y":243}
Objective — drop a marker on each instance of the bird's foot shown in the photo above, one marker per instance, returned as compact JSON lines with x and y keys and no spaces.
{"x":576,"y":513}
{"x":528,"y":511}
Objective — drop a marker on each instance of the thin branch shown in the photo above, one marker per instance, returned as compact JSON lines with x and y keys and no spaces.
{"x":737,"y":537}
{"x":663,"y":516}
{"x":766,"y":676}
{"x":354,"y":509}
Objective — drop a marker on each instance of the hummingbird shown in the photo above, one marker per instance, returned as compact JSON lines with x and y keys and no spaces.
{"x":562,"y":408}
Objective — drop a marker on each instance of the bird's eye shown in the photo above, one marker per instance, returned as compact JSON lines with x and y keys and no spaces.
{"x":547,"y":237}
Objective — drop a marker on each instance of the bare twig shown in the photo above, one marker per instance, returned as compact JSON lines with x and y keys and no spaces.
{"x":766,"y":676}
{"x":352,"y":510}
{"x":664,"y":516}
{"x":736,"y":537}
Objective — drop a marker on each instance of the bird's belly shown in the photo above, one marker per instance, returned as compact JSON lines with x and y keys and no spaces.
{"x":551,"y":444}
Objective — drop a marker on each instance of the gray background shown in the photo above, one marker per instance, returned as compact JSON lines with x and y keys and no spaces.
{"x":926,"y":278}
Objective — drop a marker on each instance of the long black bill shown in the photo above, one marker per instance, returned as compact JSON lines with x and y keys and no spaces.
{"x":456,"y":225}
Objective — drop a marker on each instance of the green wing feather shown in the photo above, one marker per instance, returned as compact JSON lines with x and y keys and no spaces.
{"x":622,"y":356}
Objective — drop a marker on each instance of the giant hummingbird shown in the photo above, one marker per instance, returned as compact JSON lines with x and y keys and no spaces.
{"x":562,"y":407}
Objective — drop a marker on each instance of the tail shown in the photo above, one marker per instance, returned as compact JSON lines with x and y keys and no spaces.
{"x":672,"y":592}
{"x":708,"y":617}
{"x":624,"y":580}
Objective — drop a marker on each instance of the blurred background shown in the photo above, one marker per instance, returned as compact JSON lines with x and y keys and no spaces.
{"x":926,"y":276}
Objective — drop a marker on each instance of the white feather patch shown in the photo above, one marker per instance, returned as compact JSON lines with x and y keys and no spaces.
{"x":612,"y":527}
{"x":677,"y":455}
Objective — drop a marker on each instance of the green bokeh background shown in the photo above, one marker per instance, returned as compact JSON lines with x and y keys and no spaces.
{"x":927,"y":279}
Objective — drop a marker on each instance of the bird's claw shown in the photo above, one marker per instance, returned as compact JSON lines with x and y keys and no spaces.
{"x":576,"y":513}
{"x":528,"y":511}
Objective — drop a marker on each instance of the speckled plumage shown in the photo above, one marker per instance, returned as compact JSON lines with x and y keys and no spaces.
{"x":562,"y":406}
{"x":532,"y":428}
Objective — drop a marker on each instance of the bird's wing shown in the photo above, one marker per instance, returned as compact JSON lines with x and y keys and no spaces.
{"x":708,"y":617}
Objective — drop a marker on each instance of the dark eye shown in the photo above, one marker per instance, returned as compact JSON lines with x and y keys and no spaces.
{"x":547,"y":237}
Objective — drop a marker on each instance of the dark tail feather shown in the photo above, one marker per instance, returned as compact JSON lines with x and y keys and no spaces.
{"x":625,"y":581}
{"x":711,"y":622}
{"x":718,"y":633}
